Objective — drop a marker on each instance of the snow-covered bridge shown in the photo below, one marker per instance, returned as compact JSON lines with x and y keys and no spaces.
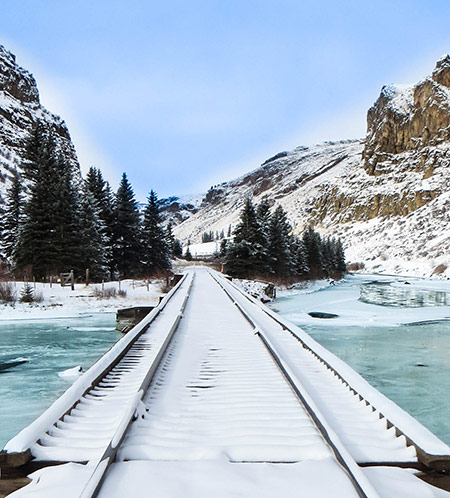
{"x":213,"y":394}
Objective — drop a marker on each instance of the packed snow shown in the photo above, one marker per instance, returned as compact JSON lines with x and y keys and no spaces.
{"x":344,"y":301}
{"x":181,"y":450}
{"x":59,"y":302}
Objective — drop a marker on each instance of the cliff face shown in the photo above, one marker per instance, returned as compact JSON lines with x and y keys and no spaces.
{"x":20,"y":109}
{"x":388,"y":196}
{"x":409,"y":118}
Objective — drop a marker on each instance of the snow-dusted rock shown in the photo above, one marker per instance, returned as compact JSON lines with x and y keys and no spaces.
{"x":20,"y":109}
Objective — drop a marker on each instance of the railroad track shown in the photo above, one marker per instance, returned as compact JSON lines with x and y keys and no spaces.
{"x":234,"y":382}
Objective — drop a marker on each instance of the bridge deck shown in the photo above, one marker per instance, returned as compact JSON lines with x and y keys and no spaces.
{"x":237,"y":406}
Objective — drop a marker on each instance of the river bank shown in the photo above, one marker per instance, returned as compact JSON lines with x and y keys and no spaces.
{"x":394,"y":331}
{"x":61,"y":302}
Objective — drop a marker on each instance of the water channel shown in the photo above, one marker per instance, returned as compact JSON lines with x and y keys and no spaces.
{"x":394,"y":332}
{"x":32,"y":355}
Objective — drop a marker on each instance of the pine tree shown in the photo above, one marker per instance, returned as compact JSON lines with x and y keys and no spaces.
{"x":39,"y":247}
{"x":247,"y":255}
{"x":170,"y":239}
{"x":281,"y":260}
{"x":155,"y":249}
{"x":127,"y":247}
{"x":67,"y":219}
{"x":104,"y":204}
{"x":313,"y":246}
{"x":341,"y":265}
{"x":300,"y":255}
{"x":177,"y":249}
{"x":27,"y":293}
{"x":92,"y":239}
{"x":12,"y":217}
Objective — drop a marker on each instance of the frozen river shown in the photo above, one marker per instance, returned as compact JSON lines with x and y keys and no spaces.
{"x":34,"y":352}
{"x":394,"y":331}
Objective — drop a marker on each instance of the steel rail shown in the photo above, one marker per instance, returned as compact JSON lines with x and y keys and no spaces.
{"x":98,"y":475}
{"x":16,"y":459}
{"x":439,"y":462}
{"x":342,"y":456}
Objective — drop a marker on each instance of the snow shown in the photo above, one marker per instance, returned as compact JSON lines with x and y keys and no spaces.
{"x":394,"y":482}
{"x":407,"y":424}
{"x":219,"y":401}
{"x":334,"y":174}
{"x":344,"y":301}
{"x":72,"y":372}
{"x":204,"y":249}
{"x":61,"y":302}
{"x":28,"y":436}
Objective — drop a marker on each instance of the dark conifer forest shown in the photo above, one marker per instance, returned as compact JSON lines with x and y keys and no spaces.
{"x":263,"y":246}
{"x":54,"y":222}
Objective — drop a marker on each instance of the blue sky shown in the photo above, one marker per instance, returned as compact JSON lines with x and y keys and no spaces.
{"x":183,"y":95}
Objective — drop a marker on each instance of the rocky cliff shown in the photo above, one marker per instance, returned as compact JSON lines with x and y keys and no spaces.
{"x":20,"y":109}
{"x":387,"y":196}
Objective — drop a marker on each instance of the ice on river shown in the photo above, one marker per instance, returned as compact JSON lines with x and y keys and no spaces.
{"x":369,"y":300}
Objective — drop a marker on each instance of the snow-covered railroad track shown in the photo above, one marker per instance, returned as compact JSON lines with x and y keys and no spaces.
{"x":80,"y":424}
{"x":373,"y":429}
{"x":235,"y":404}
{"x":219,"y":395}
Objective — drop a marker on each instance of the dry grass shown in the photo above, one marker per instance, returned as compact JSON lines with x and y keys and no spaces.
{"x":107,"y":293}
{"x":8,"y":293}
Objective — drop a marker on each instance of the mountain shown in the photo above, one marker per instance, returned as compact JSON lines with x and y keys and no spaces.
{"x":20,"y":109}
{"x":387,"y":197}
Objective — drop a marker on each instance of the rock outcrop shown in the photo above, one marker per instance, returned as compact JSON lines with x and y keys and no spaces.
{"x":388,"y":196}
{"x":408,"y":118}
{"x":20,"y":109}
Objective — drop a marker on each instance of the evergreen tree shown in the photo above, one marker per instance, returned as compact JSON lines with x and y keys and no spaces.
{"x":281,"y":260}
{"x":155,"y":249}
{"x":92,"y":239}
{"x":104,"y":205}
{"x":127,"y":247}
{"x":48,"y":240}
{"x":177,"y":249}
{"x":67,"y":219}
{"x":247,"y":255}
{"x":170,"y":239}
{"x":27,"y":293}
{"x":300,"y":256}
{"x":12,"y":217}
{"x":313,"y":246}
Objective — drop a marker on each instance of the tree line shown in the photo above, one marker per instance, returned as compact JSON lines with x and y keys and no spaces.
{"x":263,"y":245}
{"x":64,"y":223}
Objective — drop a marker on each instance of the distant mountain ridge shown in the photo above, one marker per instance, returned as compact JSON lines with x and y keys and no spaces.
{"x":387,"y":197}
{"x":20,"y":110}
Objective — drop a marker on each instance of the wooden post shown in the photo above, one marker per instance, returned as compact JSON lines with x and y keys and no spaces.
{"x":103,"y":285}
{"x":87,"y":276}
{"x":148,"y":281}
{"x":72,"y":280}
{"x":51,"y":281}
{"x":119,"y":285}
{"x":34,"y":282}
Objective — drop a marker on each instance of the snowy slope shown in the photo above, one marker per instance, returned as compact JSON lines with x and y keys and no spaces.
{"x":387,"y":197}
{"x":20,"y":109}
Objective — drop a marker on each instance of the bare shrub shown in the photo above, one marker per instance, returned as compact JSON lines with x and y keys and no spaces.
{"x":107,"y":293}
{"x":122,"y":293}
{"x":355,"y":266}
{"x":38,"y":297}
{"x":164,"y":286}
{"x":7,"y":293}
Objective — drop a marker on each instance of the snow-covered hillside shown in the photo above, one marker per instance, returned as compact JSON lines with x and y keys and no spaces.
{"x":387,"y":197}
{"x":20,"y":109}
